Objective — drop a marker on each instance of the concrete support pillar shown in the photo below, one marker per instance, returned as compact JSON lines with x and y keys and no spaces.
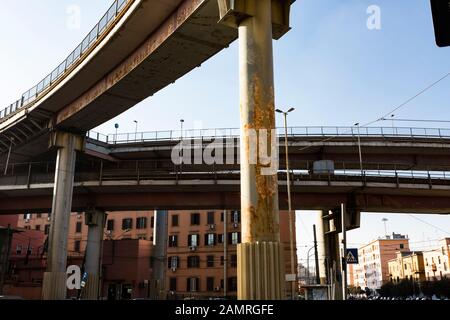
{"x":95,"y":220}
{"x":54,"y":284}
{"x":160,"y":241}
{"x":259,"y":257}
{"x":322,"y":247}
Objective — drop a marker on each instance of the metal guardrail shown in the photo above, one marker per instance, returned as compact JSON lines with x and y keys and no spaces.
{"x":43,"y":172}
{"x":314,"y":131}
{"x":100,"y":28}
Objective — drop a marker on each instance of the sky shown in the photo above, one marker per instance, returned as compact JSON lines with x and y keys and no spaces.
{"x":331,"y":67}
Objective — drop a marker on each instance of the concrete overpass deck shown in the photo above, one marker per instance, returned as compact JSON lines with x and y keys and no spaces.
{"x":132,"y":53}
{"x":143,"y":189}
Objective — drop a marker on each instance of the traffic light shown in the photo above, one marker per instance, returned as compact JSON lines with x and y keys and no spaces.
{"x":441,"y":19}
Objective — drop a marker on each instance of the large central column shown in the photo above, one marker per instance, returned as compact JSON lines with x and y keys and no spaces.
{"x":54,"y":285}
{"x":261,"y":273}
{"x":95,"y":220}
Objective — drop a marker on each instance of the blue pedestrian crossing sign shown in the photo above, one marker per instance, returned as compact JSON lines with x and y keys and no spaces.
{"x":352,"y":256}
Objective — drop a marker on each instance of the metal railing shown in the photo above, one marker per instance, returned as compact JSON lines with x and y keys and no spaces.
{"x":100,"y":28}
{"x":313,"y":131}
{"x":140,"y":170}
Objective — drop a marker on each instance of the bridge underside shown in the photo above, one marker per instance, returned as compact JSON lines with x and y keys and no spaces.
{"x":194,"y":195}
{"x":142,"y":57}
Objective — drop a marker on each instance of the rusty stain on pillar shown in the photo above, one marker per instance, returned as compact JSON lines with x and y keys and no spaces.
{"x":261,"y":273}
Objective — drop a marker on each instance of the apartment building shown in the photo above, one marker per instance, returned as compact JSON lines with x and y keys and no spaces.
{"x":373,"y":270}
{"x":196,"y":256}
{"x":437,"y":261}
{"x":407,"y":265}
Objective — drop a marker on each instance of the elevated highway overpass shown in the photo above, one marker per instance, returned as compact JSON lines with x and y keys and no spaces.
{"x":137,"y":48}
{"x":405,"y":170}
{"x":121,"y":187}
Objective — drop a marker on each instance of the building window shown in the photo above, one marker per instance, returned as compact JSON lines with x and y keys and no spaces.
{"x":27,"y":216}
{"x":19,"y":249}
{"x":110,"y":225}
{"x":141,"y":223}
{"x":77,"y":246}
{"x":445,"y":266}
{"x":47,"y":229}
{"x":127,"y":224}
{"x":234,"y":238}
{"x":210,"y":261}
{"x":192,"y":284}
{"x":193,"y":262}
{"x":211,"y":217}
{"x":402,"y":246}
{"x":193,"y":240}
{"x":220,"y":238}
{"x":232,"y":284}
{"x":222,"y":260}
{"x":152,"y":222}
{"x":173,"y":262}
{"x":38,"y":227}
{"x":236,"y":216}
{"x":175,"y":220}
{"x":221,"y":216}
{"x":195,"y":219}
{"x":173,"y":241}
{"x":210,"y":284}
{"x":233,"y":261}
{"x":173,"y":284}
{"x":78,"y":227}
{"x":210,"y":239}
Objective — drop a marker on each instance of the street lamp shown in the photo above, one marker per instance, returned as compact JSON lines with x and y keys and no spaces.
{"x":136,"y":130}
{"x":360,"y":153}
{"x":385,"y":228}
{"x":307,"y":263}
{"x":291,"y":218}
{"x":181,"y":126}
{"x":117,"y":127}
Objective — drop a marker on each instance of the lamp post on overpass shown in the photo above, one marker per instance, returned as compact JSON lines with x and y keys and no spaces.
{"x":360,"y":152}
{"x":136,"y":130}
{"x":291,"y":216}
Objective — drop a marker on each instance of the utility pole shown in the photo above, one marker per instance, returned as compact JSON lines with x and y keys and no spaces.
{"x":344,"y":251}
{"x":225,"y":254}
{"x":316,"y":255}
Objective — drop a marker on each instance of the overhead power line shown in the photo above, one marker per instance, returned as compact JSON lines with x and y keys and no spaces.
{"x":431,"y":225}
